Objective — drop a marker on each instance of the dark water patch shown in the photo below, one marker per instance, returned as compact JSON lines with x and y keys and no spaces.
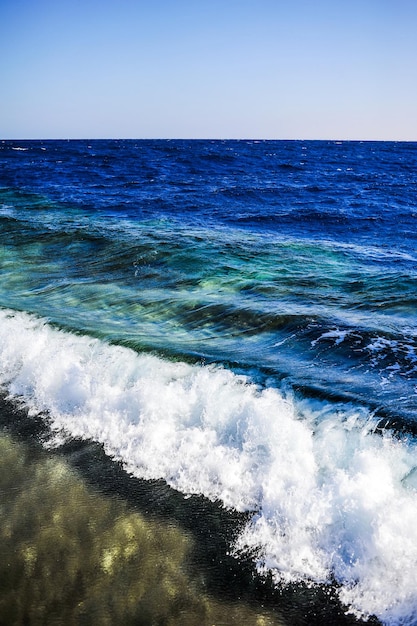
{"x":400,"y":427}
{"x":16,"y":420}
{"x":239,"y":320}
{"x":326,"y":394}
{"x":290,"y":167}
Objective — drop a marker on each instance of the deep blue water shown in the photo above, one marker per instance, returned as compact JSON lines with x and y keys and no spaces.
{"x":237,"y":318}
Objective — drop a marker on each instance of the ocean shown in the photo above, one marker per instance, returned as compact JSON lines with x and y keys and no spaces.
{"x":208,"y":380}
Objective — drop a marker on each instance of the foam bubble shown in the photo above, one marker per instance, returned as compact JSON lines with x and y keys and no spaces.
{"x":332,"y":500}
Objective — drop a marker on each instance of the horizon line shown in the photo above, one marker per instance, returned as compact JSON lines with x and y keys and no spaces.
{"x":216,"y":139}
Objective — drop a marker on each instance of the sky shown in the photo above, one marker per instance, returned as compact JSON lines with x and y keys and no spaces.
{"x":265,"y":69}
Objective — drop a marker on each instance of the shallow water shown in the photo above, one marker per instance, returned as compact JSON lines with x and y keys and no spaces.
{"x":70,"y":555}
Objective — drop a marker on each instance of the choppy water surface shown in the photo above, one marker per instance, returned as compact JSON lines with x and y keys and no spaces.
{"x":239,"y":320}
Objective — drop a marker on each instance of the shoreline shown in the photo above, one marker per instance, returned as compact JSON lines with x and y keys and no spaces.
{"x":208,"y":582}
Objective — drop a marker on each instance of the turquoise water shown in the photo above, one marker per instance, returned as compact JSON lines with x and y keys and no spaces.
{"x":330,"y":316}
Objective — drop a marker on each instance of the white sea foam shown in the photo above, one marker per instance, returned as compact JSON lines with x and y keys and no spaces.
{"x":331,"y":498}
{"x":338,"y":335}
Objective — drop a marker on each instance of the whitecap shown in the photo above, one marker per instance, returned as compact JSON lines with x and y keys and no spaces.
{"x":338,"y":335}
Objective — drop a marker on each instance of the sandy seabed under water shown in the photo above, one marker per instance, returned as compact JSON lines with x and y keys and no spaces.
{"x":71,"y":555}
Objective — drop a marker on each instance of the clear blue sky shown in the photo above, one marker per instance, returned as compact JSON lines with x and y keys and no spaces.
{"x":279,"y":69}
